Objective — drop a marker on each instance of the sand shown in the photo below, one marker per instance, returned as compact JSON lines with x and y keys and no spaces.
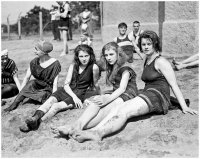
{"x":172,"y":135}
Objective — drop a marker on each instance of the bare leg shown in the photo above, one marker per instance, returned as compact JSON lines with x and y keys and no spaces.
{"x":190,"y":59}
{"x":132,"y":108}
{"x":47,"y":104}
{"x":181,"y":66}
{"x":91,"y":112}
{"x":65,"y":46}
{"x":109,"y":111}
{"x":55,"y":108}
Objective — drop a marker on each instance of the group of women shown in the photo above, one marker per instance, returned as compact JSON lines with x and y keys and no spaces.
{"x":105,"y":113}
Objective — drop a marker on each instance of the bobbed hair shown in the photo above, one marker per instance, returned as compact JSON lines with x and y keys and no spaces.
{"x":148,"y":34}
{"x":111,"y":70}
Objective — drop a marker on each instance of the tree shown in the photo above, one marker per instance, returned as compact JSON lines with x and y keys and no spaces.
{"x":30,"y":22}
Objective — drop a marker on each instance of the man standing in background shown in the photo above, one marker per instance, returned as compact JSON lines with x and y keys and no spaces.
{"x":55,"y":18}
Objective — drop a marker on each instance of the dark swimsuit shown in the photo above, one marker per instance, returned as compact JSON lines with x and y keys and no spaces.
{"x":157,"y":90}
{"x":79,"y":86}
{"x":131,"y":89}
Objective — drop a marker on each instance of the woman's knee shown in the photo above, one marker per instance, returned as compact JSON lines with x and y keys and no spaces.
{"x":55,"y":107}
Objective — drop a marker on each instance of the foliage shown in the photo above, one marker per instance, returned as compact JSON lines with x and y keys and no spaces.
{"x":30,"y":22}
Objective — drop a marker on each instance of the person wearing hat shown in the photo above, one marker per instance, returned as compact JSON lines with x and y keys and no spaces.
{"x":10,"y":84}
{"x":45,"y":70}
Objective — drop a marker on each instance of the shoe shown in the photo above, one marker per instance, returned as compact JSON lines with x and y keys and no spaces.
{"x":24,"y":128}
{"x":32,"y":123}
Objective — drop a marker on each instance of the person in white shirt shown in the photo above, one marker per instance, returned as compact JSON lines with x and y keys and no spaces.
{"x":134,"y":36}
{"x":55,"y":18}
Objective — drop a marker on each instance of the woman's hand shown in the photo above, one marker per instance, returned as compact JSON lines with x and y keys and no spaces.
{"x":189,"y":110}
{"x":77,"y":101}
{"x":101,"y":100}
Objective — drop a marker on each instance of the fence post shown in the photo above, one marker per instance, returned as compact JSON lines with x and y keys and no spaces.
{"x":8,"y":27}
{"x":40,"y":20}
{"x":19,"y":26}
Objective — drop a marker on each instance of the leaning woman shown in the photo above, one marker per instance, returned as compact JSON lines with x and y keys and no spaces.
{"x":159,"y":77}
{"x":45,"y":70}
{"x":121,"y":76}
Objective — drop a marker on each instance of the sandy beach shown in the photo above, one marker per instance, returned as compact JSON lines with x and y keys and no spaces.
{"x":157,"y":136}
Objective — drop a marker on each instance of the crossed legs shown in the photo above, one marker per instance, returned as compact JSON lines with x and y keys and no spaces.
{"x":92,"y":117}
{"x":132,"y":108}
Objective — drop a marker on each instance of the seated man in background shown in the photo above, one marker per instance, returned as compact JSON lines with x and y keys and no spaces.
{"x":125,"y":42}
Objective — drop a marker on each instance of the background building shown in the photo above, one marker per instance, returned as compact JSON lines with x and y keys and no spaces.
{"x":176,"y":22}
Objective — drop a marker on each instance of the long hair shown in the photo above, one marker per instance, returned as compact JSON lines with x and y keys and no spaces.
{"x":153,"y":37}
{"x":111,"y":70}
{"x":84,"y":48}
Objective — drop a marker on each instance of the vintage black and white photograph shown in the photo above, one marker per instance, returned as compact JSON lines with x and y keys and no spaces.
{"x":99,"y":79}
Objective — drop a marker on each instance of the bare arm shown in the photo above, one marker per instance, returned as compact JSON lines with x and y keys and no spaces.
{"x":96,"y":78}
{"x":123,"y":84}
{"x":68,"y":89}
{"x":55,"y":84}
{"x":130,"y":36}
{"x":15,"y":77}
{"x":26,"y":78}
{"x":163,"y":66}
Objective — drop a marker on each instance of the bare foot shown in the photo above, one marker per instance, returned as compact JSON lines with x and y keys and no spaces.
{"x":64,"y":131}
{"x":179,"y":67}
{"x":175,"y":62}
{"x":82,"y":136}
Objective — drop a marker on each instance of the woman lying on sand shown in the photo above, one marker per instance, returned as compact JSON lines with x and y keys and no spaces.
{"x":158,"y":76}
{"x":45,"y":70}
{"x":123,"y":78}
{"x":82,"y":74}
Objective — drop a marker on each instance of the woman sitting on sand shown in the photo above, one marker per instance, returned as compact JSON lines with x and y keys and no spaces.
{"x":82,"y":74}
{"x":123,"y":78}
{"x":45,"y":70}
{"x":10,"y":84}
{"x":189,"y":62}
{"x":158,"y":76}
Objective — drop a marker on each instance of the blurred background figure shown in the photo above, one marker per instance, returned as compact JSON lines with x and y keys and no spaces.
{"x":10,"y":85}
{"x":86,"y":22}
{"x":69,"y":33}
{"x":64,"y":12}
{"x":55,"y":18}
{"x":85,"y":39}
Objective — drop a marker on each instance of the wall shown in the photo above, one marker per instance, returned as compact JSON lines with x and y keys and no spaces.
{"x":175,"y":22}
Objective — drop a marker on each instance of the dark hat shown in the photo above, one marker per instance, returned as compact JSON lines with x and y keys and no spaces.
{"x":44,"y":46}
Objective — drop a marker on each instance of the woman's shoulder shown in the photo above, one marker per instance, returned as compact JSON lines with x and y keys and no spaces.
{"x":162,"y":62}
{"x":95,"y":67}
{"x":127,"y":67}
{"x":35,"y":60}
